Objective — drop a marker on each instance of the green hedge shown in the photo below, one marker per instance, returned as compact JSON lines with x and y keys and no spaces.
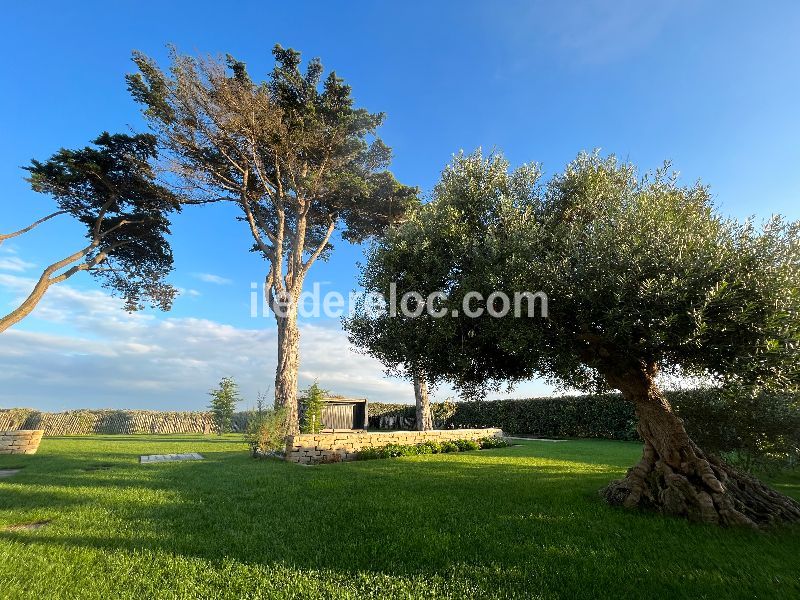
{"x":758,"y":431}
{"x":602,"y":416}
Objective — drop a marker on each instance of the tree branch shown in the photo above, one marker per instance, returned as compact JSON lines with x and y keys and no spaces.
{"x":8,"y":236}
{"x":315,"y":255}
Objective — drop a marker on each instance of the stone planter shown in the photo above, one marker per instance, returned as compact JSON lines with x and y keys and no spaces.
{"x":315,"y":448}
{"x":20,"y":441}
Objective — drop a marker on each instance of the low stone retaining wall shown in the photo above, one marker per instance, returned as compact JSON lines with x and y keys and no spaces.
{"x":21,"y":441}
{"x":315,"y":448}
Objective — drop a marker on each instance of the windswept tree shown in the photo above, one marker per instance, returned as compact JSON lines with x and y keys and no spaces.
{"x":111,"y":189}
{"x":643,"y":276}
{"x":292,"y":152}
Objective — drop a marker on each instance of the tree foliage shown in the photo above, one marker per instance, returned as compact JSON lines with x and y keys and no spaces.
{"x":223,"y":403}
{"x":638,"y":270}
{"x":293,"y":152}
{"x":313,"y":404}
{"x":642,"y":275}
{"x":111,"y":189}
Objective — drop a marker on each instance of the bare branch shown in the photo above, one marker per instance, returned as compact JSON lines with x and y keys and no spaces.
{"x":8,"y":236}
{"x":321,"y":248}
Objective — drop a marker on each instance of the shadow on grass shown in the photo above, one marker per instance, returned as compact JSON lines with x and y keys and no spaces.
{"x":510,"y":513}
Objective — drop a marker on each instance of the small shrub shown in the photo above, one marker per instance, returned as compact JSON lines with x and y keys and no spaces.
{"x":313,"y":403}
{"x":223,"y":404}
{"x":367,"y":454}
{"x":467,"y":445}
{"x":448,"y":446}
{"x":490,"y":443}
{"x":434,"y":447}
{"x":266,"y":433}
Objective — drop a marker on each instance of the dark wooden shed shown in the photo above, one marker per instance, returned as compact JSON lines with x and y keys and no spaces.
{"x":345,"y":413}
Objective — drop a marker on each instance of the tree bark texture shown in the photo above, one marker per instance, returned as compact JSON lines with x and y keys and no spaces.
{"x":287,"y":367}
{"x":424,"y":419}
{"x":675,"y":477}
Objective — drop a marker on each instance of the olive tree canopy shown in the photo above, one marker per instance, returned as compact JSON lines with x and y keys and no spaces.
{"x":642,"y":275}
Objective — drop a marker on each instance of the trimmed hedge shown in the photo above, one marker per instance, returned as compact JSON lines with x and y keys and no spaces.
{"x":753,"y":432}
{"x":602,"y":416}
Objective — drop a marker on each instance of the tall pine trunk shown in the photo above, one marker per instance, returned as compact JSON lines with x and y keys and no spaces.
{"x":674,"y":476}
{"x":287,"y":367}
{"x":424,"y":419}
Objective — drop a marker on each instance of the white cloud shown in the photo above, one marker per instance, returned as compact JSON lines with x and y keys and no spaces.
{"x":105,"y":357}
{"x":211,"y":278}
{"x":14,"y":263}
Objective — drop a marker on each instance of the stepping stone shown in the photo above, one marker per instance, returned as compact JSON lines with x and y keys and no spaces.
{"x":8,"y":472}
{"x":528,"y":439}
{"x":28,"y":526}
{"x":159,"y":458}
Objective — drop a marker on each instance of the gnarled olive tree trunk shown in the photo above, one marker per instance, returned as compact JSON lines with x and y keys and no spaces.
{"x":676,"y":477}
{"x":424,"y":419}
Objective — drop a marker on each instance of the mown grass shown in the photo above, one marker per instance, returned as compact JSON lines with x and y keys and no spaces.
{"x":524,"y":522}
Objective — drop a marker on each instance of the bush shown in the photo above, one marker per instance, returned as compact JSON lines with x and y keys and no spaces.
{"x":312,"y":405}
{"x":490,"y":443}
{"x":448,"y":446}
{"x":429,"y":447}
{"x":466,"y":445}
{"x":755,"y":431}
{"x":266,"y":433}
{"x":223,"y":404}
{"x":435,"y":447}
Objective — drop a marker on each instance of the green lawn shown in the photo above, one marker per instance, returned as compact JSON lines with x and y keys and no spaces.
{"x":524,"y":521}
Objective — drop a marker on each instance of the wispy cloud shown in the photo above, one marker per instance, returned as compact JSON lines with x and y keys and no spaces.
{"x":15,"y":264}
{"x":211,"y":278}
{"x":102,"y":356}
{"x":192,"y":293}
{"x":589,"y":31}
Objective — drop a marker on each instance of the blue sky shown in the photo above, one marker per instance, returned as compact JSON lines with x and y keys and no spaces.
{"x":712,"y":87}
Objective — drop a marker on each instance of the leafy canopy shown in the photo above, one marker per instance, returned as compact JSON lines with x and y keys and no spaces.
{"x":112,"y":190}
{"x":313,"y":405}
{"x":293,"y":151}
{"x":641,"y":272}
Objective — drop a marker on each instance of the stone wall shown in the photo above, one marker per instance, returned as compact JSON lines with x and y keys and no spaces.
{"x":89,"y":422}
{"x":342,"y":445}
{"x":21,"y":441}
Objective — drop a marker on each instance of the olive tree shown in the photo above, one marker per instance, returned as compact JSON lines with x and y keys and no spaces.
{"x":294,"y":155}
{"x":642,"y":275}
{"x":111,"y":189}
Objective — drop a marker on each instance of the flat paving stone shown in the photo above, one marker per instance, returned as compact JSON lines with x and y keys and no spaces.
{"x":8,"y":472}
{"x":527,"y":439}
{"x":159,"y":458}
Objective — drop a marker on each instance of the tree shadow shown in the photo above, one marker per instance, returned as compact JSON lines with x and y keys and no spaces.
{"x":418,"y":517}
